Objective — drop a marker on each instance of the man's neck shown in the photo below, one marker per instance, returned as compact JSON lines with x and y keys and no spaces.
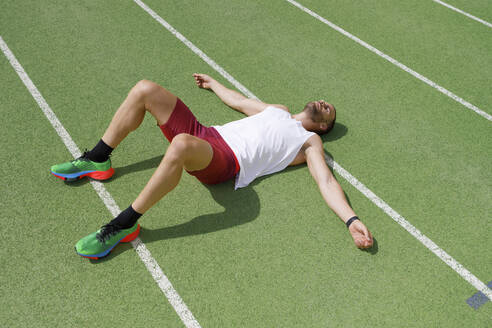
{"x":299,"y":116}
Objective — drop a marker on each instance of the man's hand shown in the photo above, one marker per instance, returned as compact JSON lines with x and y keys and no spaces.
{"x":362,"y":237}
{"x":203,"y":80}
{"x":231,"y":98}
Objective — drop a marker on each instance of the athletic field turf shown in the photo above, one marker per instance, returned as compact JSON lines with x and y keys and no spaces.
{"x":412,"y":84}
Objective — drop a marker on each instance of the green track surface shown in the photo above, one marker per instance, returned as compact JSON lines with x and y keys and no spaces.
{"x":272,"y":254}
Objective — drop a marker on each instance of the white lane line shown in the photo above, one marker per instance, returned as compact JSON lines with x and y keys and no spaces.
{"x":464,"y":13}
{"x":433,"y":247}
{"x":195,"y":49}
{"x":142,"y":251}
{"x":394,"y":61}
{"x":445,"y":257}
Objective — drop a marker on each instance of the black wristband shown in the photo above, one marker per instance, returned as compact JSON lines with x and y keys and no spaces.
{"x":352,"y":219}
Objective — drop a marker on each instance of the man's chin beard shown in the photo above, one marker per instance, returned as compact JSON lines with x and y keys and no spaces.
{"x":314,"y":114}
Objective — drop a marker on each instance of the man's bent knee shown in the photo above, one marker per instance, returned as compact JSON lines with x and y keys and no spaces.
{"x":194,"y":153}
{"x":146,"y":88}
{"x":182,"y":143}
{"x":156,"y":99}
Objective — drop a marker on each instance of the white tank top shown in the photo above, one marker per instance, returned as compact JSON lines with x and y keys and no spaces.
{"x":264,"y":143}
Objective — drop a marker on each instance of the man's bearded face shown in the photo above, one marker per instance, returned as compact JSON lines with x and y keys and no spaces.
{"x":320,"y":111}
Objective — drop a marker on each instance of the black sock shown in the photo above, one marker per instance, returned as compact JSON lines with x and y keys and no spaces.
{"x":100,"y":153}
{"x":126,"y":219}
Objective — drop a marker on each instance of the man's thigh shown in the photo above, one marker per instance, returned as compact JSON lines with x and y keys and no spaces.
{"x":159,"y":101}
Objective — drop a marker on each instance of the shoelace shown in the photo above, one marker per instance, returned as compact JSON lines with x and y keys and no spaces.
{"x":107,"y":231}
{"x":82,"y":158}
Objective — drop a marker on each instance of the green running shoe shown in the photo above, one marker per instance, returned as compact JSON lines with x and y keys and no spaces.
{"x":81,"y":167}
{"x":98,"y":244}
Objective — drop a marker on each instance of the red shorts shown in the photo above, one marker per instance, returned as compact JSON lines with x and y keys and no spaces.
{"x":224,"y":164}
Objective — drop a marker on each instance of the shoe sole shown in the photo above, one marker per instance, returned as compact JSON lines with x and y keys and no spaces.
{"x":96,"y":175}
{"x":126,"y":239}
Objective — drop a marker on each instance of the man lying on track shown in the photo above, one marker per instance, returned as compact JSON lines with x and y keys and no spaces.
{"x":267,"y":141}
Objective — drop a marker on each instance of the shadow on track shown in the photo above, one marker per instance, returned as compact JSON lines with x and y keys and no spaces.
{"x":233,"y":215}
{"x":374,"y":249}
{"x":151,"y":163}
{"x":338,"y":131}
{"x":241,"y":206}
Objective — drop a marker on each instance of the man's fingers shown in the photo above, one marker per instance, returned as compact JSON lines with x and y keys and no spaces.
{"x":359,"y":240}
{"x":363,"y":243}
{"x":367,"y":243}
{"x":198,"y":80}
{"x":201,"y":80}
{"x":197,"y":76}
{"x":365,"y":232}
{"x":361,"y":235}
{"x":362,"y":228}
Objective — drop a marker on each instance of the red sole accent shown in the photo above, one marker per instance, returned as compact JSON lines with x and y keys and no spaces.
{"x":131,"y":236}
{"x":100,"y":175}
{"x":59,"y":177}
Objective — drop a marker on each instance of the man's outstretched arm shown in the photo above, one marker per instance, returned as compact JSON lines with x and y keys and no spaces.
{"x":332,"y":192}
{"x":232,"y":98}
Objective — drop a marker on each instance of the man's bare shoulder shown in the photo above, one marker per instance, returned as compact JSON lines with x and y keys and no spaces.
{"x":252,"y":107}
{"x":283,"y":107}
{"x":313,"y":141}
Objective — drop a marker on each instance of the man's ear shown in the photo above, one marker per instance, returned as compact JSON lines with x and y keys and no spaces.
{"x":323,"y":126}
